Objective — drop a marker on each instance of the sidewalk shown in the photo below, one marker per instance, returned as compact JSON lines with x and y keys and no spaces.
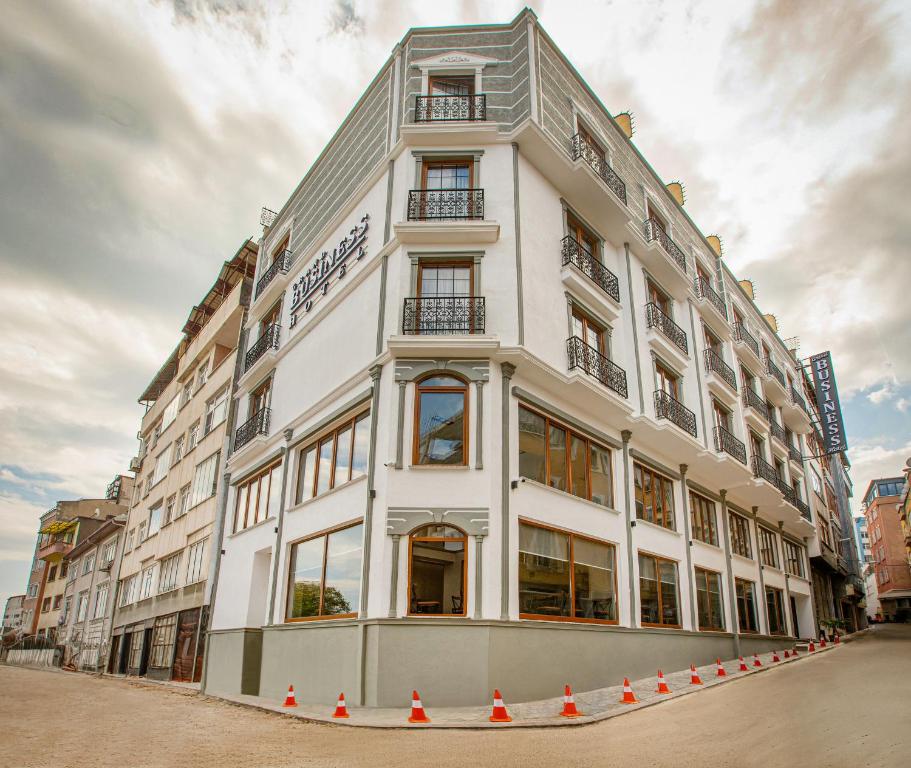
{"x":595,"y":705}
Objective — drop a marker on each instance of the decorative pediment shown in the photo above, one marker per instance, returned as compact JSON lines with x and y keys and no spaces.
{"x":454,"y":60}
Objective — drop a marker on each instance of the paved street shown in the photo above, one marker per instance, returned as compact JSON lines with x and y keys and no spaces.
{"x":847,"y":708}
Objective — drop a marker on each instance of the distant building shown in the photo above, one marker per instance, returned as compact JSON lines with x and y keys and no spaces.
{"x":882,"y":504}
{"x":12,"y":616}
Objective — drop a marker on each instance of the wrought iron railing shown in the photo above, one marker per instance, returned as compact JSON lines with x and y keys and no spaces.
{"x":763,"y":470}
{"x":449,"y":107}
{"x":655,"y":318}
{"x":281,"y":265}
{"x":580,"y":257}
{"x":257,"y":424}
{"x":742,"y":335}
{"x":582,"y":149}
{"x":798,"y":400}
{"x":714,"y":364}
{"x":790,"y":495}
{"x":705,"y":291}
{"x":445,"y":204}
{"x":804,"y":508}
{"x":794,"y":453}
{"x":668,"y":407}
{"x":754,"y":401}
{"x":774,"y":371}
{"x":654,"y":231}
{"x":590,"y":360}
{"x":726,"y":442}
{"x":777,"y":430}
{"x":443,"y":315}
{"x":267,"y":340}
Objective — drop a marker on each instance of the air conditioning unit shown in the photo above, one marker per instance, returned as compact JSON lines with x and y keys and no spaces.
{"x":135,"y":464}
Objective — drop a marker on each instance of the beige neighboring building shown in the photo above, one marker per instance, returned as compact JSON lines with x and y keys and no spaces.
{"x":160,"y":615}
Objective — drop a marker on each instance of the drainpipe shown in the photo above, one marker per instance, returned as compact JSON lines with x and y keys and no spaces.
{"x":626,"y":434}
{"x":279,"y":528}
{"x":507,"y":369}
{"x":735,"y":626}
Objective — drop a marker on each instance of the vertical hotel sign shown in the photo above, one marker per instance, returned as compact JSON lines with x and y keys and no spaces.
{"x":833,"y":425}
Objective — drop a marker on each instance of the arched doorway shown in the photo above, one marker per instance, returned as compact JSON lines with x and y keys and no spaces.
{"x":437,"y":571}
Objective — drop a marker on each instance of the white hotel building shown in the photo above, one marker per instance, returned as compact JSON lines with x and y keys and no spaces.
{"x":505,"y":418}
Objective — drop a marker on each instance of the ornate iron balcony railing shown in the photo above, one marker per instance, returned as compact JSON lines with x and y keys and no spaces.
{"x":582,"y":149}
{"x":267,"y":340}
{"x":726,"y":442}
{"x":443,"y":315}
{"x":580,"y":257}
{"x":763,"y":470}
{"x":590,"y":360}
{"x":445,"y":204}
{"x":714,"y":364}
{"x":668,"y":407}
{"x":705,"y":291}
{"x":804,"y":508}
{"x":257,"y":424}
{"x":654,"y":231}
{"x":798,"y":400}
{"x":450,"y":107}
{"x":790,"y":495}
{"x":794,"y":453}
{"x":655,"y":318}
{"x":754,"y":401}
{"x":774,"y":370}
{"x":777,"y":430}
{"x":281,"y":265}
{"x":742,"y":335}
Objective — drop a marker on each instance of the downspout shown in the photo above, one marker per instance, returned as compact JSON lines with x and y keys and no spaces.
{"x":507,"y":370}
{"x":627,"y":508}
{"x":279,"y":529}
{"x":735,"y":625}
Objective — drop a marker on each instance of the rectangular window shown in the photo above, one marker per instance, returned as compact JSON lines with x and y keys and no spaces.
{"x":83,"y":607}
{"x":170,"y":413}
{"x":169,"y":508}
{"x":141,"y":532}
{"x":127,"y":590}
{"x":746,"y":606}
{"x":162,"y":464}
{"x":793,"y":558}
{"x":184,"y":503}
{"x":658,"y":591}
{"x":145,"y":588}
{"x":702,"y":511}
{"x":187,"y":392}
{"x":258,"y":498}
{"x":202,"y":375}
{"x":335,"y":459}
{"x":654,"y":497}
{"x":740,"y":536}
{"x":64,"y":569}
{"x":178,"y":450}
{"x":154,"y":520}
{"x":775,"y":603}
{"x":57,"y":600}
{"x":325,"y":575}
{"x":108,"y":551}
{"x":88,"y":563}
{"x":195,"y":558}
{"x":192,"y":436}
{"x":204,"y":480}
{"x":167,"y":579}
{"x":563,"y":575}
{"x":708,"y":600}
{"x":52,"y":574}
{"x":216,"y":410}
{"x":589,"y":474}
{"x":768,"y":548}
{"x":163,"y":636}
{"x":101,"y":601}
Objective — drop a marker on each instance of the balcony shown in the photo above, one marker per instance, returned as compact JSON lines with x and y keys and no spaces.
{"x":774,"y":371}
{"x":705,"y":292}
{"x":590,"y":360}
{"x":754,"y":401}
{"x":654,"y":231}
{"x":445,"y":204}
{"x":797,"y":400}
{"x":746,"y":339}
{"x":256,"y":425}
{"x":443,"y":315}
{"x":668,"y":407}
{"x":656,"y":318}
{"x":777,"y":430}
{"x":794,"y":453}
{"x":715,"y":365}
{"x":267,"y":340}
{"x":726,"y":442}
{"x":450,"y":108}
{"x":580,"y":257}
{"x":54,"y":550}
{"x":804,"y":509}
{"x":581,"y":149}
{"x":280,"y":266}
{"x":762,"y":470}
{"x":790,"y":495}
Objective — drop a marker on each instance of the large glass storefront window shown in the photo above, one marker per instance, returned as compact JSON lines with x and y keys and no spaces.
{"x":325,"y":575}
{"x":658,"y":591}
{"x":436,"y":568}
{"x":708,"y":600}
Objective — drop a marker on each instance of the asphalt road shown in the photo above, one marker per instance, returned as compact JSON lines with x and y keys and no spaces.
{"x":849,"y":708}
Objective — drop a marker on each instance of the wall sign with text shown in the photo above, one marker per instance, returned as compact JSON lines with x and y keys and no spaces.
{"x":833,"y":425}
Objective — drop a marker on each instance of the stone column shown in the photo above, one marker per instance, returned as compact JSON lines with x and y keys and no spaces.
{"x":687,"y":525}
{"x":394,"y":577}
{"x":478,"y":567}
{"x":507,"y":369}
{"x":732,"y":587}
{"x":630,"y":522}
{"x":765,"y":603}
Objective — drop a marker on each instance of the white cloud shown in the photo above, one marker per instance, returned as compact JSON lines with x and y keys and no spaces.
{"x":885,"y":392}
{"x":903,"y":404}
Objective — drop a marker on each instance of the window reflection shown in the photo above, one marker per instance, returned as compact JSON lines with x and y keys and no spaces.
{"x":441,"y":428}
{"x":437,"y":568}
{"x":325,"y":575}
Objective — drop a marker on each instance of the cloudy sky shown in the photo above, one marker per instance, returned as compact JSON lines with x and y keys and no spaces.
{"x":139,"y":140}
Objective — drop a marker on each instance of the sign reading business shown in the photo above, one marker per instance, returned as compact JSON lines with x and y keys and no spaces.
{"x":833,"y":425}
{"x":317,"y":278}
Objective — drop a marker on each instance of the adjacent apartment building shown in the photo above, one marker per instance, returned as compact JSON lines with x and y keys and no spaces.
{"x":163,"y":590}
{"x":882,"y":505}
{"x":12,"y":618}
{"x":505,"y":416}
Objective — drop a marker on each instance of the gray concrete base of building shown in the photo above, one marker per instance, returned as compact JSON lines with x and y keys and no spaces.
{"x":452,"y":663}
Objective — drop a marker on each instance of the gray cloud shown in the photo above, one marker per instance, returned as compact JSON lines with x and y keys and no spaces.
{"x":344,"y":19}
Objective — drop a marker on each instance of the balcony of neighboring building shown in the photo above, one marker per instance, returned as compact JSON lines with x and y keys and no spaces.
{"x":57,"y":539}
{"x":256,"y":426}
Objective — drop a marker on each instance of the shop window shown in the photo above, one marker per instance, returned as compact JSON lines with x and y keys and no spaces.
{"x":333,"y":459}
{"x":702,"y":511}
{"x":658,"y":592}
{"x":654,"y":497}
{"x":436,"y":568}
{"x":163,"y":635}
{"x":440,"y":423}
{"x":708,"y":600}
{"x":325,"y":575}
{"x":746,"y":606}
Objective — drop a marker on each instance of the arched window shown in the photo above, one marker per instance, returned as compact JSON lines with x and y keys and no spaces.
{"x":436,"y":571}
{"x":440,"y":423}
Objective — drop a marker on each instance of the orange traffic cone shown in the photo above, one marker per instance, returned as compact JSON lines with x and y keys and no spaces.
{"x":775,"y":656}
{"x":822,"y":641}
{"x":694,"y":676}
{"x":756,"y":661}
{"x":418,"y":715}
{"x":743,"y":665}
{"x":662,"y":685}
{"x":719,"y":670}
{"x":837,"y":639}
{"x":569,"y":704}
{"x":794,"y":652}
{"x":340,"y":709}
{"x":290,"y":701}
{"x":812,"y":647}
{"x":628,"y":696}
{"x":499,"y":713}
{"x":787,"y":655}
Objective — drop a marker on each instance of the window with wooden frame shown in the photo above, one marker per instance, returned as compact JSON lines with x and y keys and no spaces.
{"x":279,"y":249}
{"x":566,"y":577}
{"x":824,"y":533}
{"x":774,"y":599}
{"x":590,"y":331}
{"x":747,"y":621}
{"x":768,"y":547}
{"x":793,"y":558}
{"x":747,"y":378}
{"x":437,"y":571}
{"x":658,"y":592}
{"x":702,"y":513}
{"x":583,"y":236}
{"x":258,"y":498}
{"x":709,"y":603}
{"x":712,"y":342}
{"x":271,"y":317}
{"x":163,"y":634}
{"x":654,"y":497}
{"x":757,"y":445}
{"x":438,"y":279}
{"x":260,"y":397}
{"x":450,"y":85}
{"x":440,"y":421}
{"x":740,"y":536}
{"x":656,"y":296}
{"x":325,"y":575}
{"x":700,"y":272}
{"x":334,"y":458}
{"x":721,"y":416}
{"x":653,"y":214}
{"x":556,"y":456}
{"x":666,"y":380}
{"x":454,"y":173}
